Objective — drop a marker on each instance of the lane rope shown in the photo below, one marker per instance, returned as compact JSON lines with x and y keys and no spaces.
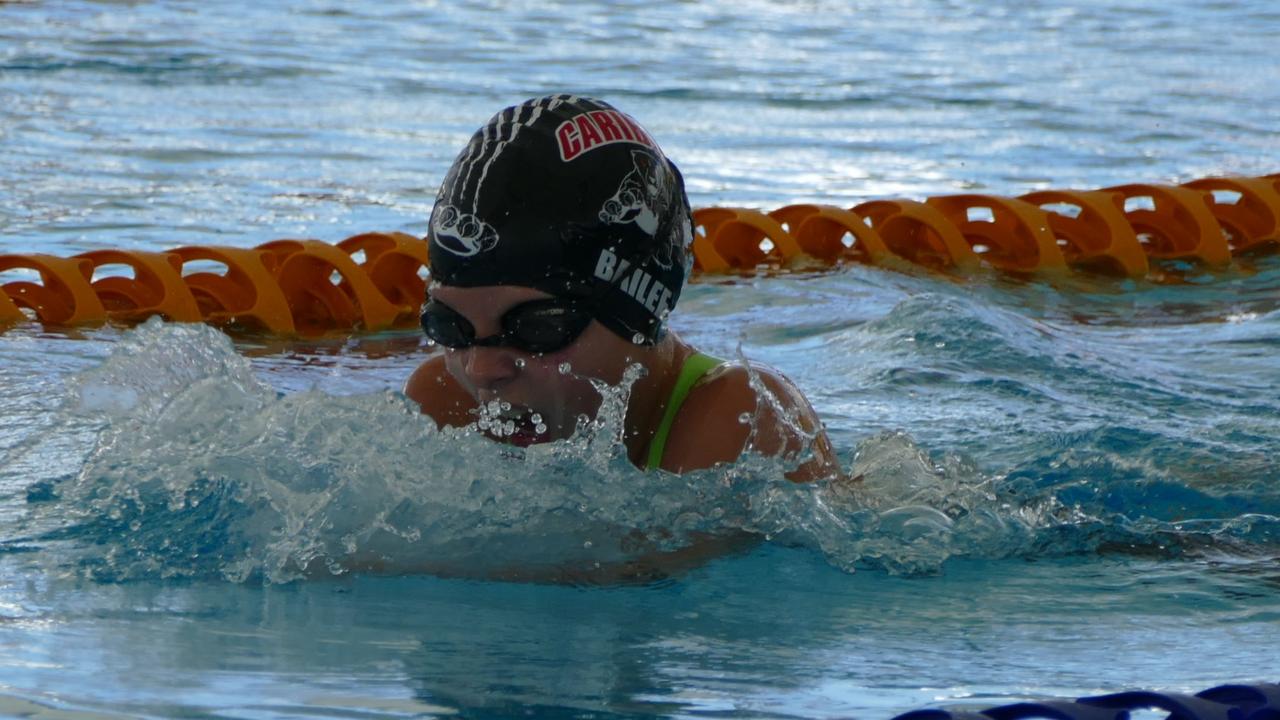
{"x":376,"y":281}
{"x":1260,"y":701}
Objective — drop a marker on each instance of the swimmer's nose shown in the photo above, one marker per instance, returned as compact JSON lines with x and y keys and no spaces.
{"x":489,"y":368}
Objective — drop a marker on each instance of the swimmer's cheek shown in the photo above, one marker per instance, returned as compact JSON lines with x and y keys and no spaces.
{"x":438,"y":395}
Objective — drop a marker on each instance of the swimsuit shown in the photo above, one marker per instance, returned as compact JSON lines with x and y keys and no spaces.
{"x":695,"y":367}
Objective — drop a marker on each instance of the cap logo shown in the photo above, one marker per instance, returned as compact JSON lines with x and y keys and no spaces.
{"x":639,"y":199}
{"x":634,"y":282}
{"x":590,"y":130}
{"x":462,"y":234}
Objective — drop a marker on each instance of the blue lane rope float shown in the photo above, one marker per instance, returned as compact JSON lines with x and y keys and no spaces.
{"x":376,"y":281}
{"x":1224,"y":702}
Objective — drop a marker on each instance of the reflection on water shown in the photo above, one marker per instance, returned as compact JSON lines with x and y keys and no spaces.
{"x":718,"y":640}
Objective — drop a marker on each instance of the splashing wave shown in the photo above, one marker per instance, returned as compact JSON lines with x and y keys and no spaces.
{"x":199,"y":469}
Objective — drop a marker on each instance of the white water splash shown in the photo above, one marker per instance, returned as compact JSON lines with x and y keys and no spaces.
{"x":200,"y":469}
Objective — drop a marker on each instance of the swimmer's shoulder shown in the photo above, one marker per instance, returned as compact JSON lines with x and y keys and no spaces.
{"x":439,"y":395}
{"x":710,"y":426}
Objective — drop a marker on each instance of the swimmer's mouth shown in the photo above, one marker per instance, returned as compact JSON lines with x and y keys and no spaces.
{"x":520,"y":429}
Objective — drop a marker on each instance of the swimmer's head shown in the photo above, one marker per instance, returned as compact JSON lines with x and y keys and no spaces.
{"x":569,"y":196}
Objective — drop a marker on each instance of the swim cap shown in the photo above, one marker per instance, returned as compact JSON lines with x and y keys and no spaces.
{"x":567,"y":195}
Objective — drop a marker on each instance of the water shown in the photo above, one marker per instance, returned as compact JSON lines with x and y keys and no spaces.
{"x":1069,"y":487}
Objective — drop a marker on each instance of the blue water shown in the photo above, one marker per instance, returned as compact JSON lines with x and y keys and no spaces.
{"x":1069,"y":486}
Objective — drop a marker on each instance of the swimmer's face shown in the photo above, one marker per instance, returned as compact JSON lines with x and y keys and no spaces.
{"x":531,"y":383}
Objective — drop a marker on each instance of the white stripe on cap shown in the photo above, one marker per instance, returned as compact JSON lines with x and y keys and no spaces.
{"x":492,"y":143}
{"x":535,"y":112}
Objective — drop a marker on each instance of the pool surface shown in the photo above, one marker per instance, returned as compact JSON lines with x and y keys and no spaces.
{"x":1070,"y":486}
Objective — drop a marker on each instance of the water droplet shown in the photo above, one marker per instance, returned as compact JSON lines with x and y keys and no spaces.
{"x":587,"y":545}
{"x":637,"y":339}
{"x":540,"y":428}
{"x":745,"y":418}
{"x":520,"y":363}
{"x":565,"y":368}
{"x":536,"y":418}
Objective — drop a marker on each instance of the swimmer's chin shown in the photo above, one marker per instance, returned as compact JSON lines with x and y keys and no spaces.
{"x":518,"y":426}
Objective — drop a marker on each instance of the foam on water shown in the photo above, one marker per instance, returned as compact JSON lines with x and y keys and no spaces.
{"x":198,"y":468}
{"x":194,"y":467}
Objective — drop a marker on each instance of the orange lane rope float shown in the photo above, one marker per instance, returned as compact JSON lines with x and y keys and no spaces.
{"x":376,"y":281}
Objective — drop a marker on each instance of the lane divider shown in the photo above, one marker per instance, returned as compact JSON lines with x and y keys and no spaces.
{"x":1260,"y":701}
{"x":376,"y":281}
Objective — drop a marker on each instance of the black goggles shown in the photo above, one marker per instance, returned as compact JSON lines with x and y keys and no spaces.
{"x":537,"y":326}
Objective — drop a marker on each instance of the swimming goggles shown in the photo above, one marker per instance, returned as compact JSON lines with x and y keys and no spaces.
{"x":537,"y":326}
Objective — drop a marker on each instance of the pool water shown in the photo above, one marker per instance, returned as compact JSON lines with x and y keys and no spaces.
{"x":1070,"y":486}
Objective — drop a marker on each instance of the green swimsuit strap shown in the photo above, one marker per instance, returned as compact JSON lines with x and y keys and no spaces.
{"x":697,"y":365}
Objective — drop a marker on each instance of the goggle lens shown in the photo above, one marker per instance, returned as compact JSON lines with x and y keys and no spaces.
{"x":537,"y":326}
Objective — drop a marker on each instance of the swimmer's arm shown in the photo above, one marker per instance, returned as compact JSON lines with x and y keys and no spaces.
{"x":439,"y":395}
{"x":708,"y":430}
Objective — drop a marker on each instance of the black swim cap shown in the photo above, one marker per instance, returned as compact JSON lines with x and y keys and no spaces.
{"x":567,"y":195}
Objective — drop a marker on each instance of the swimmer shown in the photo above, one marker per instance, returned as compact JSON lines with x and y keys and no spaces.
{"x":559,"y":244}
